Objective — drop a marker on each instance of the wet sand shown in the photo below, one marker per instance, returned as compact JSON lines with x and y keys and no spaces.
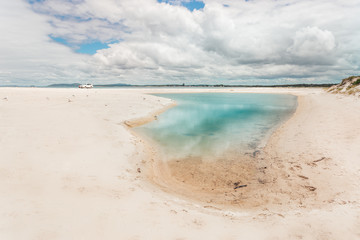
{"x":234,"y":179}
{"x":290,"y":172}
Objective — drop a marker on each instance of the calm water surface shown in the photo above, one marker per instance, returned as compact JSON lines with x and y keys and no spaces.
{"x":210,"y":124}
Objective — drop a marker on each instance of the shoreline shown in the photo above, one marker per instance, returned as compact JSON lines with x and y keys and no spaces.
{"x":166,"y":175}
{"x":133,"y":123}
{"x":270,"y":179}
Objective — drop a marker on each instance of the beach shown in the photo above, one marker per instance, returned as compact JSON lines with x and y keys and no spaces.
{"x":73,"y":168}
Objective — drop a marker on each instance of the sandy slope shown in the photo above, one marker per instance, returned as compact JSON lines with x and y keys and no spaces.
{"x":71,"y":169}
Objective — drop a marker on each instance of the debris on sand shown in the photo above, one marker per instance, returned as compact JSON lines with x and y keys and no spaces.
{"x":237,"y":185}
{"x":255,"y":153}
{"x":301,"y":176}
{"x":310,"y":188}
{"x":321,"y":159}
{"x":261,"y":181}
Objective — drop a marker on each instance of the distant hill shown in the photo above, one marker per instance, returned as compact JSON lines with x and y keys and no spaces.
{"x":75,"y":85}
{"x":64,"y":85}
{"x":115,"y":85}
{"x":350,"y":86}
{"x":112,"y":85}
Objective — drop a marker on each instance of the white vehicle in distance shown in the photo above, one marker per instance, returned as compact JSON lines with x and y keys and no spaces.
{"x":88,"y":85}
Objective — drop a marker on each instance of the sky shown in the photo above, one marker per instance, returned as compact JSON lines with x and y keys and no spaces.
{"x":46,"y":42}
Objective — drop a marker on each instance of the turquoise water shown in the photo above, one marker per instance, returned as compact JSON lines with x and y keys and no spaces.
{"x":211,"y":124}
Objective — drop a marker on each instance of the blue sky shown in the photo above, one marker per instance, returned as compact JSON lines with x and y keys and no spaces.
{"x":91,"y":47}
{"x":84,"y":48}
{"x":178,"y":41}
{"x":191,"y":5}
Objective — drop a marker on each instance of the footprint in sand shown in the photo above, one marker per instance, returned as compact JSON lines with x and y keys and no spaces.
{"x":198,"y":222}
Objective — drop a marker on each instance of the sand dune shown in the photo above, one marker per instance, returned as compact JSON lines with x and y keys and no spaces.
{"x":71,"y":168}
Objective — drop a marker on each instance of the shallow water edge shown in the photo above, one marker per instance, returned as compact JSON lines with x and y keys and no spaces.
{"x":231,"y":180}
{"x":210,"y":125}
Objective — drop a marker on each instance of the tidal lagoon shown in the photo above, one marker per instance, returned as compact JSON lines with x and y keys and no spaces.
{"x":208,"y":125}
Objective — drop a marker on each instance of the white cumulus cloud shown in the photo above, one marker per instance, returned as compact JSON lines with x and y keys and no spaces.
{"x":227,"y":41}
{"x":313,"y":45}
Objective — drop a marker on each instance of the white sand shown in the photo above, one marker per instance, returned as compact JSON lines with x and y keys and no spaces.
{"x":68,"y":170}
